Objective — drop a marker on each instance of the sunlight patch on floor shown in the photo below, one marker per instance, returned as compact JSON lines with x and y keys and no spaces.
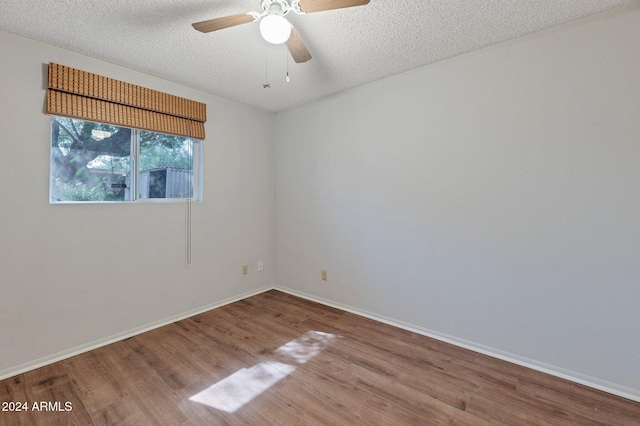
{"x":234,"y":391}
{"x":306,"y":347}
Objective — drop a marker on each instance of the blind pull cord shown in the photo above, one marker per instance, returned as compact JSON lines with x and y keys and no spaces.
{"x":187,"y":232}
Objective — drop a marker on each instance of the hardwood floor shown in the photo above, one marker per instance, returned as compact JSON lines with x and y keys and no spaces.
{"x":275,"y":359}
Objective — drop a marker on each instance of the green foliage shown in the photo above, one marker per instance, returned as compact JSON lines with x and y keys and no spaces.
{"x":79,"y":191}
{"x":176,"y":153}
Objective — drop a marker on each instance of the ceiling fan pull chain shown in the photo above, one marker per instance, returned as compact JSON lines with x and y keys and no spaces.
{"x":287,"y":78}
{"x":266,"y":84}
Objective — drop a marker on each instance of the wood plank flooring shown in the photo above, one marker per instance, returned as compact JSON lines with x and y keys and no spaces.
{"x":275,"y":359}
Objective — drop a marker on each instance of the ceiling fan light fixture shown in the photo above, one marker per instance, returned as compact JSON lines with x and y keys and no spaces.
{"x":275,"y":29}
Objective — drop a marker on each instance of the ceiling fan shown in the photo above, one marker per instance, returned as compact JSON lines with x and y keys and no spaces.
{"x":274,"y":27}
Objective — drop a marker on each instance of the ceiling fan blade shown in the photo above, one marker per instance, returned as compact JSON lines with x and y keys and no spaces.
{"x":310,"y":6}
{"x":221,"y":23}
{"x":297,"y":48}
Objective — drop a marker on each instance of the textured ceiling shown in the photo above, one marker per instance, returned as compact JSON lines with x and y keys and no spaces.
{"x":350,"y":47}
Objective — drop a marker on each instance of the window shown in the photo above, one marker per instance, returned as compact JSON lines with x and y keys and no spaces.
{"x":94,"y":162}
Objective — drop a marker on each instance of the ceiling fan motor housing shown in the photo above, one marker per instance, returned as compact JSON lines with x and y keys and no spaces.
{"x":276,"y":7}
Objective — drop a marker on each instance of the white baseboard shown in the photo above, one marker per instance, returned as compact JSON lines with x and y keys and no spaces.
{"x":41,"y":362}
{"x":603,"y":385}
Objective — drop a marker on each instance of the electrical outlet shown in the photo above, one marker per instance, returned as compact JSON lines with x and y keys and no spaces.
{"x":324,"y":275}
{"x":260,"y":266}
{"x":245,"y":269}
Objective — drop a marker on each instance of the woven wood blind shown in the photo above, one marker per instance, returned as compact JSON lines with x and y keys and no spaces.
{"x":80,"y":94}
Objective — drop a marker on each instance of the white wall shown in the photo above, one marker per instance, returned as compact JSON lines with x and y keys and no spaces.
{"x":74,"y":275}
{"x":491,"y":199}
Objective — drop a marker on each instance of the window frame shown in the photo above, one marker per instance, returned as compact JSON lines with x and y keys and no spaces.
{"x":198,"y":172}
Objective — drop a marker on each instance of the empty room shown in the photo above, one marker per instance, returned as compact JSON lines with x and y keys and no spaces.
{"x":320,"y":212}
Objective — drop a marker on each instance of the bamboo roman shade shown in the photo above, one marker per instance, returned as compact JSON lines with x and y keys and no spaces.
{"x":80,"y":94}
